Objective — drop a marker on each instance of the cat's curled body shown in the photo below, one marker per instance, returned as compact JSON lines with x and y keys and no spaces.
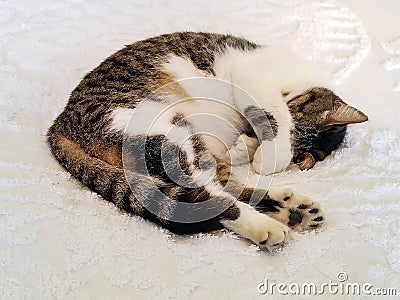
{"x":167,"y":157}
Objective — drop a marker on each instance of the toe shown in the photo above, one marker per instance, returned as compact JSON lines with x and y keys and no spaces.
{"x":276,"y":238}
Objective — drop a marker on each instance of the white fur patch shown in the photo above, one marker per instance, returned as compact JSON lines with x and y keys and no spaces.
{"x":257,"y":227}
{"x":264,"y":74}
{"x":120,"y":118}
{"x":272,"y":156}
{"x":197,"y":83}
{"x":180,"y":136}
{"x":181,"y":68}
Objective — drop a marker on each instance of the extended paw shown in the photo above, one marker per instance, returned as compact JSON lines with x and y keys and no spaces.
{"x":299,"y":212}
{"x":271,"y":234}
{"x":258,"y":227}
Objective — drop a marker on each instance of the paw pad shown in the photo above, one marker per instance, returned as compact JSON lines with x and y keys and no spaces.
{"x":295,"y":217}
{"x":303,"y":206}
{"x":297,"y":211}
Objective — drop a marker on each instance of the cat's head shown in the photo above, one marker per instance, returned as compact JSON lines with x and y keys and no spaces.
{"x":320,"y":119}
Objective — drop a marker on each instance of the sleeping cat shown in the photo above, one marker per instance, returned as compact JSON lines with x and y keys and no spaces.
{"x":157,"y":127}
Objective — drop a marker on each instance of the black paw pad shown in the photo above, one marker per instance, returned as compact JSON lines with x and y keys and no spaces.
{"x":303,"y":206}
{"x":263,"y":242}
{"x":313,"y":211}
{"x":314,"y":225}
{"x":286,"y":198}
{"x":295,"y":217}
{"x":318,"y":219}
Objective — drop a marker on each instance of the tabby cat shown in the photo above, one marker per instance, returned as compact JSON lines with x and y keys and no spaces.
{"x":157,"y":127}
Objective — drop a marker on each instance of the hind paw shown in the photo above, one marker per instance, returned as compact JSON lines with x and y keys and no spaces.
{"x":298,"y":212}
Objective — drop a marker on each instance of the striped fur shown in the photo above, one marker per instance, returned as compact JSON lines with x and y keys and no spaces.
{"x":167,"y":156}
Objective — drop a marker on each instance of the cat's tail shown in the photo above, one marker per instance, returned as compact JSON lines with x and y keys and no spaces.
{"x":107,"y":177}
{"x":111,"y":182}
{"x":174,"y":210}
{"x":100,"y":176}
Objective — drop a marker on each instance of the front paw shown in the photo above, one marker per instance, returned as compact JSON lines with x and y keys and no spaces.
{"x":264,"y":162}
{"x":267,"y":160}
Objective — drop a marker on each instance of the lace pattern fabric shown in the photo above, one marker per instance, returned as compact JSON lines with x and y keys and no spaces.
{"x":58,"y":240}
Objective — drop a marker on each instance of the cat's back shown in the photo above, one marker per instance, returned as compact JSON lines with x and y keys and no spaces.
{"x":131,"y":74}
{"x":136,"y":69}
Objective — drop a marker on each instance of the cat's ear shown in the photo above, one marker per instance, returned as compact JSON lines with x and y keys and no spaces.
{"x":299,"y":100}
{"x":342,"y":113}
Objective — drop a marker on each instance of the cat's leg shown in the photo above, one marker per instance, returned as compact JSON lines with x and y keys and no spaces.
{"x":271,"y":157}
{"x":295,"y":210}
{"x":191,"y":198}
{"x":273,"y":152}
{"x":270,"y":120}
{"x":266,"y":157}
{"x":255,"y":226}
{"x":198,"y":202}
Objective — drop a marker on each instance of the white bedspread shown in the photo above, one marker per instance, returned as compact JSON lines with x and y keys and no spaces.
{"x":58,"y":240}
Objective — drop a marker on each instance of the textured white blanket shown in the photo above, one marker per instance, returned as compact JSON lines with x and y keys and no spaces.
{"x":58,"y":240}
